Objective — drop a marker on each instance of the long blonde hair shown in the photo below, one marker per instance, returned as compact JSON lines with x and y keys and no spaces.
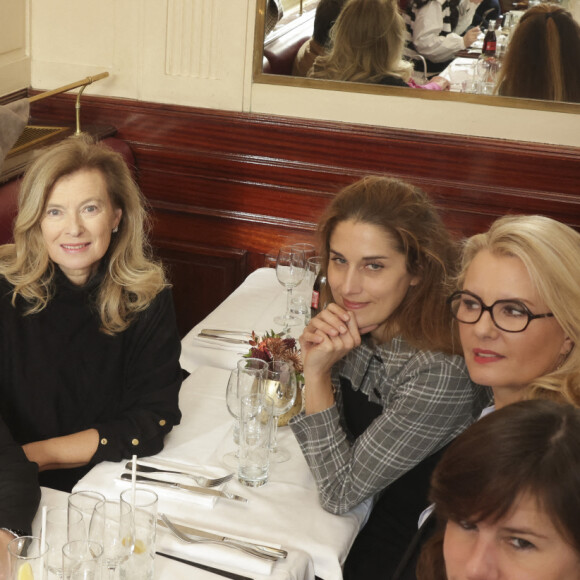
{"x":132,"y":278}
{"x":367,"y":42}
{"x":550,"y":251}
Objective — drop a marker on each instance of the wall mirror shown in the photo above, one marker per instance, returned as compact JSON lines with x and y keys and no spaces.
{"x":261,"y":77}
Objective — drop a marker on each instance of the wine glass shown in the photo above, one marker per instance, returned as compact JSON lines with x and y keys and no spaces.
{"x":290,"y":269}
{"x":302,"y":294}
{"x":280,"y":385}
{"x":111,"y":527}
{"x":247,"y":378}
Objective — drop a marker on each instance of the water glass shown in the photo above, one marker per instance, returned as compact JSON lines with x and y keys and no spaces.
{"x":61,"y":527}
{"x":247,"y":378}
{"x":28,"y":558}
{"x":256,"y":420}
{"x":81,"y":560}
{"x":84,"y":502}
{"x":143,"y":512}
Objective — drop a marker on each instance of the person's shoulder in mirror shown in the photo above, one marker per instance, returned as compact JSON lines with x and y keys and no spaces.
{"x":327,"y":12}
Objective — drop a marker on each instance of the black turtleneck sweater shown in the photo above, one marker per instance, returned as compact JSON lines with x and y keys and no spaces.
{"x":59,"y":374}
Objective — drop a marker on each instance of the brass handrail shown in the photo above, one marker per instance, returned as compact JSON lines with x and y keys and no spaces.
{"x":84,"y":83}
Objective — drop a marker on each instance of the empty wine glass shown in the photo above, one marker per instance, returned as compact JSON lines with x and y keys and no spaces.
{"x":280,"y":386}
{"x":290,"y":269}
{"x":247,"y":378}
{"x":111,"y":527}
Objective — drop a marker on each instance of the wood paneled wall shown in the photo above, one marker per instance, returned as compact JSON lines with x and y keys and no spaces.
{"x":226,"y":189}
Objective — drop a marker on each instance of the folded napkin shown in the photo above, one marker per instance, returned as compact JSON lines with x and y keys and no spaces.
{"x":224,"y":557}
{"x":216,"y":343}
{"x":171,"y":498}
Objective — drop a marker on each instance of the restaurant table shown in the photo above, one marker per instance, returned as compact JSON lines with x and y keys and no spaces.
{"x":252,"y":306}
{"x":284,"y":511}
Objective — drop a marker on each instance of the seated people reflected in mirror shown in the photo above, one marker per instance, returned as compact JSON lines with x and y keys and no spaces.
{"x":439,"y":29}
{"x":367,"y":43}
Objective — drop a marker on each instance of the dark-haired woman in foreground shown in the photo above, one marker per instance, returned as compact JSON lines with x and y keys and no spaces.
{"x":506,"y":495}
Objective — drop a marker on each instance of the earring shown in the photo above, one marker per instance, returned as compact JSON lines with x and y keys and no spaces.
{"x":115,"y":229}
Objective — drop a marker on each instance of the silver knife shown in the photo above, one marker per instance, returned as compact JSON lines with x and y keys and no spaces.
{"x":269,"y":550}
{"x":225,"y":338}
{"x":225,"y":332}
{"x":192,"y":488}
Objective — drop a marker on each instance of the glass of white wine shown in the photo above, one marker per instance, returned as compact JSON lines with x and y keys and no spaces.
{"x":280,"y":385}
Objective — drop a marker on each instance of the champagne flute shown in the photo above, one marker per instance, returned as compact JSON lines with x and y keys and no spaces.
{"x":246,"y":379}
{"x":290,"y":269}
{"x":280,"y":385}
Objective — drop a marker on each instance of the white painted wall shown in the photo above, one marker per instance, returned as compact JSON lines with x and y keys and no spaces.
{"x":199,"y":53}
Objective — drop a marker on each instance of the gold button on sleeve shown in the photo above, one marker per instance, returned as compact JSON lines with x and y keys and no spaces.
{"x":162,"y":422}
{"x":104,"y":441}
{"x":135,"y":442}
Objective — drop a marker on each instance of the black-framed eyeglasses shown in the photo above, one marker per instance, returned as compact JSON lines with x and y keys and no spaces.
{"x":507,"y":315}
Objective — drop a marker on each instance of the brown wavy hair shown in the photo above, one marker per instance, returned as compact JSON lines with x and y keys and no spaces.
{"x":132,"y":277}
{"x":543,"y":56}
{"x":408,"y":215}
{"x":367,"y":42}
{"x":529,"y":447}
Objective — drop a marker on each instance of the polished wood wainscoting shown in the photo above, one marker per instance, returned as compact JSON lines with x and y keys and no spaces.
{"x":226,"y":189}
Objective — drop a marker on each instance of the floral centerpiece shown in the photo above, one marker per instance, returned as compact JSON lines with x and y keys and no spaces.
{"x":271,"y":347}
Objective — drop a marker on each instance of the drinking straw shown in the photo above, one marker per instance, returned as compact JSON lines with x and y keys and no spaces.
{"x":42,"y":538}
{"x":133,"y":480}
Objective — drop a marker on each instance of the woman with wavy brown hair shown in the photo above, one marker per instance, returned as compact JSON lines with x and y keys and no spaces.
{"x":89,"y":348}
{"x":543,"y":56}
{"x":384,"y":391}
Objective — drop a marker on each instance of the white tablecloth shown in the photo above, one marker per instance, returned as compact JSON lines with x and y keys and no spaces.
{"x":252,"y":306}
{"x":285,"y":511}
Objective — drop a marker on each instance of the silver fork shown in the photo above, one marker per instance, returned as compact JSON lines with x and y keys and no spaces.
{"x":238,"y":545}
{"x":200,"y":480}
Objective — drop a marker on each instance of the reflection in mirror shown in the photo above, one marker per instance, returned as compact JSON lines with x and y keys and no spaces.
{"x":274,"y":56}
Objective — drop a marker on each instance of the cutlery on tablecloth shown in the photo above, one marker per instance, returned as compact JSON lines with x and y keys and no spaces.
{"x":216,"y":571}
{"x":201,"y":480}
{"x":215,"y":331}
{"x":218,"y":337}
{"x":193,"y":535}
{"x":183,"y":487}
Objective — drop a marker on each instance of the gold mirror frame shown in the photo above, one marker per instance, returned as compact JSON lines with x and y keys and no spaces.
{"x":259,"y":77}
